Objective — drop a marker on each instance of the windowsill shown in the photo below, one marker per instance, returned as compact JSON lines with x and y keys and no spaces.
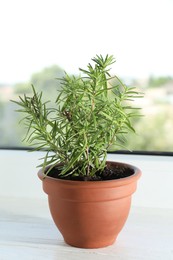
{"x":28,"y":232}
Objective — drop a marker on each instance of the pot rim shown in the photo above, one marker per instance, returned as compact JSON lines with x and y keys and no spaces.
{"x":115,"y":182}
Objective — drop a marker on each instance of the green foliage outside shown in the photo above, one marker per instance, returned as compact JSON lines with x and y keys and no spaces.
{"x":44,"y":80}
{"x":159,"y":81}
{"x":22,"y":88}
{"x":153,"y":132}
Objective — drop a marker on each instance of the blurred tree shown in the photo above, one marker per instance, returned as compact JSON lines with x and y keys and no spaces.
{"x":154,"y":133}
{"x":44,"y":80}
{"x":22,"y":88}
{"x":158,"y":81}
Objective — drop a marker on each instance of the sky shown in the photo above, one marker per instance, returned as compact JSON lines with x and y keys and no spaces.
{"x":35,"y":34}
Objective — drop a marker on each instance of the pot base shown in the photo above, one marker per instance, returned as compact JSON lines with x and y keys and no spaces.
{"x":91,"y":245}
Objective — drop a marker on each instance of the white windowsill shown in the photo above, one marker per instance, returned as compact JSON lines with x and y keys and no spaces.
{"x":28,"y":232}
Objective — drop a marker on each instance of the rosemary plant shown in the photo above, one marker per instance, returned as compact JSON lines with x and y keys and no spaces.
{"x":88,"y":117}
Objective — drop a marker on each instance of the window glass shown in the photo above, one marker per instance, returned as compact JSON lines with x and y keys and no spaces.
{"x":41,"y":39}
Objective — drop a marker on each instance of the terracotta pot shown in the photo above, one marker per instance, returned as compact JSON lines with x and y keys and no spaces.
{"x":90,"y":214}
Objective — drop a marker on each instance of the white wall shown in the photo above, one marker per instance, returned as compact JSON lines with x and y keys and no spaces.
{"x":18,"y":177}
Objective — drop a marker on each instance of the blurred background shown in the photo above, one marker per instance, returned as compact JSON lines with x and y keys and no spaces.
{"x":42,"y":39}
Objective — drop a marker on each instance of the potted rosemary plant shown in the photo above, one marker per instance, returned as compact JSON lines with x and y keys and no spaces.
{"x":89,"y":197}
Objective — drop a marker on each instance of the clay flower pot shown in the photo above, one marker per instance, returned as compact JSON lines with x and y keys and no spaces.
{"x":90,"y":214}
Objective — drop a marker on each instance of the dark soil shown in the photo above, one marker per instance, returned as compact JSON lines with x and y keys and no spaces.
{"x":109,"y":173}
